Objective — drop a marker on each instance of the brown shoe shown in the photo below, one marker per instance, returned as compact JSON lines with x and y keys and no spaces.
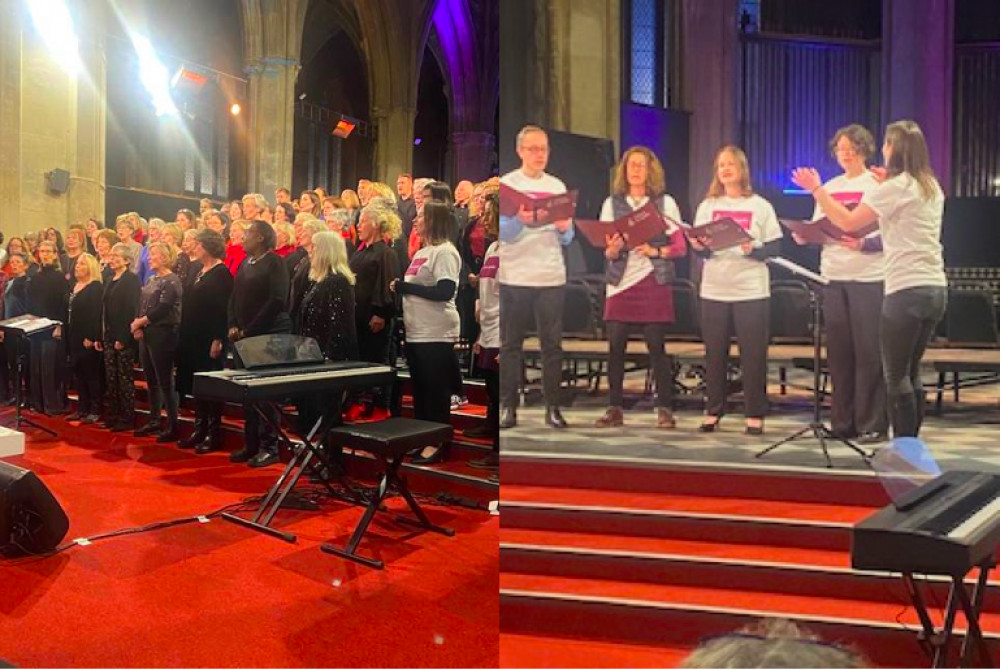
{"x":665,"y":418}
{"x":613,"y":417}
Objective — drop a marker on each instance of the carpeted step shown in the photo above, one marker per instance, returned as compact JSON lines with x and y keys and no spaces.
{"x":535,"y":651}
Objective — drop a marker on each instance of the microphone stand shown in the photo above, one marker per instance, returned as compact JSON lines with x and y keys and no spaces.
{"x":816,"y":428}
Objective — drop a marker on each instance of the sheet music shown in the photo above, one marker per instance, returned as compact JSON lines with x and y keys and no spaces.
{"x":794,"y":268}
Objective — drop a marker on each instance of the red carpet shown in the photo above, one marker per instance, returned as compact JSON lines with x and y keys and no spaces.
{"x":219,"y":595}
{"x":527,"y":651}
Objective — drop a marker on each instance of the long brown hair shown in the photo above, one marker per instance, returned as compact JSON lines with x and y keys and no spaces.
{"x":654,"y":173}
{"x":716,"y":189}
{"x":909,"y":155}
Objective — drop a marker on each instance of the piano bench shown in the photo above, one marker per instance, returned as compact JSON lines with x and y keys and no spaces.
{"x":391,"y":437}
{"x":389,"y":441}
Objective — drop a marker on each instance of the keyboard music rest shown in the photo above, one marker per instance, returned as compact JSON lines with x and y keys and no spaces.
{"x":949,"y":532}
{"x":273,"y":384}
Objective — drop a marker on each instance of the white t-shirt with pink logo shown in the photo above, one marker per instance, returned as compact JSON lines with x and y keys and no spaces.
{"x":535,"y":257}
{"x":426,"y":320}
{"x":840,"y":263}
{"x":489,"y":299}
{"x":730,"y":275}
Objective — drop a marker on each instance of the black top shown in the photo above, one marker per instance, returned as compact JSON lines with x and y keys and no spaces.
{"x":160,"y":300}
{"x":84,"y":318}
{"x":328,"y":317}
{"x":375,"y":267}
{"x":299,"y":286}
{"x":292,"y":260}
{"x":69,"y":266}
{"x":203,"y":319}
{"x":48,"y":294}
{"x":15,"y":299}
{"x":260,"y":293}
{"x":121,"y":303}
{"x":186,"y":269}
{"x":407,"y":213}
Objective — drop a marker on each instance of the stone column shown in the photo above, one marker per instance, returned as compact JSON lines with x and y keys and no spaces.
{"x":272,"y":123}
{"x":471,"y":154}
{"x":710,"y":49}
{"x":10,"y":116}
{"x":87,"y":193}
{"x":394,"y":145}
{"x":918,"y":53}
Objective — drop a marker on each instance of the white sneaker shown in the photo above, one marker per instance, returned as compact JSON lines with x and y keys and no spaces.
{"x":458,"y":401}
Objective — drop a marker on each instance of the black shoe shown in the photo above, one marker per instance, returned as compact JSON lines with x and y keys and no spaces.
{"x":872,"y":437}
{"x":263,"y":459}
{"x":479,"y":432}
{"x":709,"y":426}
{"x":755,"y":430}
{"x":439,"y":455}
{"x":490,"y":462}
{"x":554,"y":417}
{"x":90,"y":419}
{"x":241,"y":456}
{"x":75,"y":416}
{"x":194,"y":439}
{"x":508,"y":418}
{"x":211,"y":443}
{"x":150,"y":428}
{"x":169,"y":435}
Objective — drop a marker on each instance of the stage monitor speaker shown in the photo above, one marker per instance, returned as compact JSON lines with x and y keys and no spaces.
{"x":57,"y":181}
{"x":31,"y":520}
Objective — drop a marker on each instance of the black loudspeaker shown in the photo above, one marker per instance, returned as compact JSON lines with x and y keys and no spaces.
{"x":31,"y":520}
{"x":57,"y":181}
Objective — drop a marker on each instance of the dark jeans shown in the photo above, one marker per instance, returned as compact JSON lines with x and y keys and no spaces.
{"x":751,"y":321}
{"x":908,"y":321}
{"x":851,"y":311}
{"x":158,"y":349}
{"x":654,"y":334}
{"x":431,"y":365}
{"x":525,"y":307}
{"x":88,"y":371}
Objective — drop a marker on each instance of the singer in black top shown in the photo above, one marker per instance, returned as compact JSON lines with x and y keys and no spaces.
{"x":48,"y":296}
{"x":120,"y":304}
{"x":258,"y":307}
{"x":84,"y":337}
{"x":203,"y":335}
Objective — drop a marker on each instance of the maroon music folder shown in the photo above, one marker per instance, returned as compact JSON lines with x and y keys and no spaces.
{"x":825,"y":231}
{"x":637,"y":227}
{"x":720,"y":234}
{"x":545,"y":209}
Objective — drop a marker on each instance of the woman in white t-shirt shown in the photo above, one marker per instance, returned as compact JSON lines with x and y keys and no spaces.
{"x":908,"y":206}
{"x":852,"y":301}
{"x":431,"y":321}
{"x":487,"y":347}
{"x":638,"y":290}
{"x":736,"y":290}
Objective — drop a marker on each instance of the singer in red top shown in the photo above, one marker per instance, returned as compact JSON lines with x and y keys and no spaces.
{"x":638,"y":292}
{"x":532,"y":281}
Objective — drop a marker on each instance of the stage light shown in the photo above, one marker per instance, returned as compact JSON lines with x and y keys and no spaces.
{"x":417,"y":142}
{"x":235,"y":109}
{"x":344,"y":127}
{"x":154,"y":77}
{"x":55,"y":27}
{"x":187,"y":79}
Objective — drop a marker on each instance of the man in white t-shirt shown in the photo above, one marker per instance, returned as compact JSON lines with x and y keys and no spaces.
{"x":532,"y":281}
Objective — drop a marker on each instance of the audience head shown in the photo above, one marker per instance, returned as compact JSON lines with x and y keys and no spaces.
{"x":418,"y":192}
{"x":463,"y":192}
{"x":771,"y":644}
{"x":172,"y":234}
{"x":219,"y":222}
{"x":437,"y":223}
{"x":104,"y":242}
{"x":491,"y":215}
{"x":31,"y":241}
{"x":533,"y":149}
{"x":54,"y":236}
{"x":730,"y":169}
{"x":309,"y":202}
{"x":379,"y":189}
{"x":93,"y":226}
{"x":259,"y":238}
{"x":47,"y":254}
{"x":125,"y":228}
{"x":284,"y":234}
{"x":209,"y":244}
{"x":204,"y":205}
{"x":283,"y":211}
{"x":155,"y":231}
{"x":162,"y":257}
{"x":331,"y":204}
{"x":188,"y":241}
{"x":186,"y":219}
{"x":364,"y":191}
{"x":235,"y":210}
{"x":438,"y":191}
{"x":283,"y":196}
{"x":16,"y":246}
{"x":640,"y":169}
{"x":76,"y":237}
{"x":382,"y":221}
{"x":350,"y":198}
{"x":238,"y":231}
{"x":121,"y":257}
{"x":87,"y":269}
{"x":329,"y":256}
{"x":306,"y":230}
{"x":404,"y":185}
{"x":18,"y":263}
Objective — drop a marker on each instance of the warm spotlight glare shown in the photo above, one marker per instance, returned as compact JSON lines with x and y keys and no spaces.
{"x":235,"y":109}
{"x":154,"y":76}
{"x":55,"y":27}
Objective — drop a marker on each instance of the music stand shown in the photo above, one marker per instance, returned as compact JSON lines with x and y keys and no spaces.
{"x":22,"y":328}
{"x":816,"y":428}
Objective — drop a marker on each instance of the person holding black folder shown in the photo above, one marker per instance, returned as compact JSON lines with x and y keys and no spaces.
{"x":852,"y":301}
{"x":638,"y":292}
{"x":736,"y":290}
{"x":908,"y":205}
{"x":532,"y":281}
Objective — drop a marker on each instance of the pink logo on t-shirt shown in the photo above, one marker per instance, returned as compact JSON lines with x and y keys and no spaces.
{"x":415,"y":266}
{"x":745,"y":219}
{"x":848,"y":197}
{"x":490,"y":268}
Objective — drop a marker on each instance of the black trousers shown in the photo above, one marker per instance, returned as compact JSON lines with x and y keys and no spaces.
{"x":119,"y":380}
{"x":48,"y":377}
{"x":908,"y":321}
{"x":377,"y":348}
{"x":492,"y":378}
{"x":750,"y":319}
{"x":88,"y":369}
{"x":432,"y":365}
{"x":524,"y":308}
{"x":654,"y":334}
{"x":851,"y":312}
{"x":158,"y":349}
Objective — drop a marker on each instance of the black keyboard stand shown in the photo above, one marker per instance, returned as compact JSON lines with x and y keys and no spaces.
{"x":937,"y":641}
{"x":302,"y":458}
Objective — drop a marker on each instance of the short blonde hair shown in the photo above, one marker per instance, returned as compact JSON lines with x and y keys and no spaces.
{"x":285,"y":229}
{"x":350,"y":198}
{"x":175,"y":231}
{"x":93,"y":267}
{"x":389,"y":223}
{"x":329,"y":256}
{"x":169,"y":252}
{"x":125,"y":251}
{"x":380,"y":189}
